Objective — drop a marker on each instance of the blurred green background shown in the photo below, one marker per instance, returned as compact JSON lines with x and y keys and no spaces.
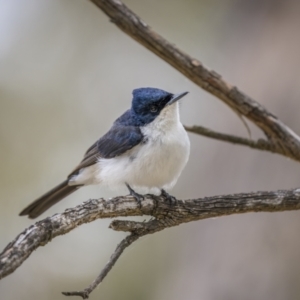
{"x":66,"y":73}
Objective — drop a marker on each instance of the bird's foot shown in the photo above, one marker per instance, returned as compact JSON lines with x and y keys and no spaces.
{"x":172,"y":200}
{"x":138,"y":197}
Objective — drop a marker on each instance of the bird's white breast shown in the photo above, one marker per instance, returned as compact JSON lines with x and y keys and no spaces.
{"x":157,"y":162}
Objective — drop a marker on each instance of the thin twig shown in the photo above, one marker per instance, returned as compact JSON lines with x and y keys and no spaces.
{"x":126,"y":242}
{"x":283,"y":139}
{"x":260,"y":144}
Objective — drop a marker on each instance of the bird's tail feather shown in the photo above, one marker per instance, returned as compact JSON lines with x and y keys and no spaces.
{"x":44,"y":202}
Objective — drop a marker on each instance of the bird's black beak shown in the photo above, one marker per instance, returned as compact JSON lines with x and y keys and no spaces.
{"x":176,"y":97}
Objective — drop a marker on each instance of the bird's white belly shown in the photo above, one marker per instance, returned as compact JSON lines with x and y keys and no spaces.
{"x":155,"y":164}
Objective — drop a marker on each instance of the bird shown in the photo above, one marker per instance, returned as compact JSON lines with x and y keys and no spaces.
{"x":147,"y":147}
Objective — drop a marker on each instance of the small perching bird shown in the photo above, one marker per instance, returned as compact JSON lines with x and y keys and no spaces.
{"x":146,"y":147}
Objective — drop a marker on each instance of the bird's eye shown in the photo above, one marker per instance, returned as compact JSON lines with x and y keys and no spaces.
{"x":153,"y":108}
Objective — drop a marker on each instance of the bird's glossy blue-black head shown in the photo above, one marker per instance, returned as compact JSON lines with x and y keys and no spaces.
{"x":147,"y":103}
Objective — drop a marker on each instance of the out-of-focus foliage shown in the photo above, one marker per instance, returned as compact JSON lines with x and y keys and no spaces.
{"x":66,"y":73}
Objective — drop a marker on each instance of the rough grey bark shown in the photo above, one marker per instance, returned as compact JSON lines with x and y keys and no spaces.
{"x":165,"y":214}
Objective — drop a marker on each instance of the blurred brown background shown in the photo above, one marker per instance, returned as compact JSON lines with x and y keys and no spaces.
{"x":66,"y":73}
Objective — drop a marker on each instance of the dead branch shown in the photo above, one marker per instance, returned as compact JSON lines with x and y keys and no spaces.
{"x":165,"y":215}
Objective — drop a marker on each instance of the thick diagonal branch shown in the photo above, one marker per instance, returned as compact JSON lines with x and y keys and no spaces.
{"x":284,"y":141}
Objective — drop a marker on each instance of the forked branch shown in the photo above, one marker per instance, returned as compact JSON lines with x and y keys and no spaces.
{"x":164,"y":213}
{"x":279,"y":136}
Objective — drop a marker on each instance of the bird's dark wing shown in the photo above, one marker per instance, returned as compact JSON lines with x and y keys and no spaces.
{"x":119,"y":140}
{"x":115,"y":142}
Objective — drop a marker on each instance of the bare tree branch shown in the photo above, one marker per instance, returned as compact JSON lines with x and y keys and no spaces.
{"x":283,"y":140}
{"x":280,"y":139}
{"x":260,"y":144}
{"x":165,"y":215}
